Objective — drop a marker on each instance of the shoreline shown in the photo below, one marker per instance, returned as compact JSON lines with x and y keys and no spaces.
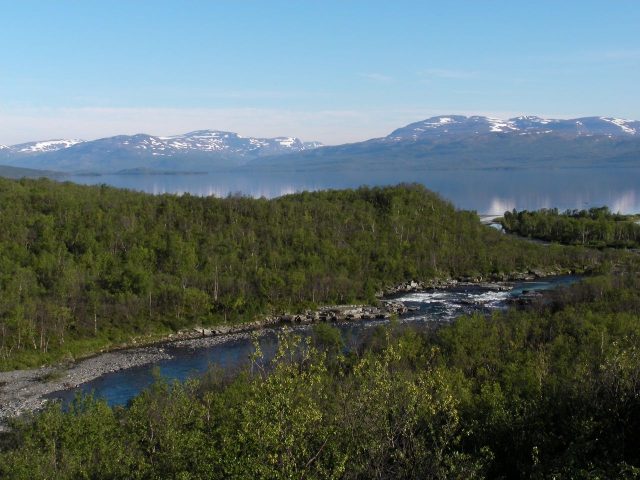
{"x":24,"y":391}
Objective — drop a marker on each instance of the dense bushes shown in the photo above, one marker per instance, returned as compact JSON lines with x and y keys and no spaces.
{"x":82,"y":267}
{"x":549,"y":392}
{"x":596,"y":227}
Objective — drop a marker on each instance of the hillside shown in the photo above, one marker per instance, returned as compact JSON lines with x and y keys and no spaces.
{"x":17,"y":172}
{"x":82,"y":267}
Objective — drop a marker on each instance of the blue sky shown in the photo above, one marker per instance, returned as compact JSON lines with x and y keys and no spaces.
{"x":333,"y":71}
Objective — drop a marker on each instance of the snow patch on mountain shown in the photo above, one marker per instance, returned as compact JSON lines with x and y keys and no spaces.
{"x":623,"y":124}
{"x":45,"y":146}
{"x":498,"y":125}
{"x":286,"y":142}
{"x":532,"y":119}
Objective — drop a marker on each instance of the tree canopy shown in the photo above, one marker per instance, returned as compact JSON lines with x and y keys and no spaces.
{"x":84,"y":267}
{"x":596,"y":227}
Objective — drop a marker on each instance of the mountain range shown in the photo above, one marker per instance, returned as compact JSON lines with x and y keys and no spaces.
{"x":442,"y":142}
{"x":455,"y":142}
{"x":201,"y":150}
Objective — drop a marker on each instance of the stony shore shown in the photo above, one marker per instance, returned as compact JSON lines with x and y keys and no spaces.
{"x":25,"y":390}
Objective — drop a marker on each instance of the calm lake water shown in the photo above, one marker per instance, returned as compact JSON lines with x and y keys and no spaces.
{"x":486,"y":191}
{"x":432,"y":307}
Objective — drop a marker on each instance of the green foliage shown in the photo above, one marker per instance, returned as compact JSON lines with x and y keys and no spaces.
{"x":82,"y":268}
{"x":81,"y":443}
{"x":596,"y":227}
{"x":327,"y":337}
{"x":550,"y":391}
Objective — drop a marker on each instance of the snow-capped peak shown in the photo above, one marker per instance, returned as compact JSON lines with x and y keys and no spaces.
{"x":195,"y":142}
{"x":532,"y":119}
{"x":45,"y":146}
{"x":215,"y":140}
{"x":458,"y":125}
{"x":202,"y":142}
{"x":498,"y":125}
{"x":287,"y":141}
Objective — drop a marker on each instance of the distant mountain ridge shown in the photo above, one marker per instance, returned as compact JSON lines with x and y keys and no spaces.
{"x":457,"y":142}
{"x":525,"y":125}
{"x":441,"y":142}
{"x":198,"y":149}
{"x":41,"y":146}
{"x":17,"y":172}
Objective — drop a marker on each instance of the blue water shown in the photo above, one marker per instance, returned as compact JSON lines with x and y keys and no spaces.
{"x":485,"y":191}
{"x":444,"y":305}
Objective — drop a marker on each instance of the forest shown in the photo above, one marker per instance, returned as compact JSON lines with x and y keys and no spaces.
{"x":86,"y":268}
{"x":548,"y":391}
{"x":596,"y":227}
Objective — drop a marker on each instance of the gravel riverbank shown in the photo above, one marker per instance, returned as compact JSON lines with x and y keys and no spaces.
{"x":23,"y":391}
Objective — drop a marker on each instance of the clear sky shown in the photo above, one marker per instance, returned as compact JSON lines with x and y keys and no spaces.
{"x":333,"y":71}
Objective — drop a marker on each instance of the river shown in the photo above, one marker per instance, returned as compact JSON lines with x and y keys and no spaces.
{"x":437,"y":306}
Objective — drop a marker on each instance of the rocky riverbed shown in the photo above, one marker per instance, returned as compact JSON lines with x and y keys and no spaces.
{"x":25,"y":390}
{"x":498,"y":282}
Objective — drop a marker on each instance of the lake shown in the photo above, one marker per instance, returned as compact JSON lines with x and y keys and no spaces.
{"x":488,"y":192}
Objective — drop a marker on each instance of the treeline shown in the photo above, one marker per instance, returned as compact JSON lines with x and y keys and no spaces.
{"x":596,"y":227}
{"x":547,"y":392}
{"x":82,"y":267}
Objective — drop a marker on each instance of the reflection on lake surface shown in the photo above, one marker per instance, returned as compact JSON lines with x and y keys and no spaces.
{"x":486,"y":191}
